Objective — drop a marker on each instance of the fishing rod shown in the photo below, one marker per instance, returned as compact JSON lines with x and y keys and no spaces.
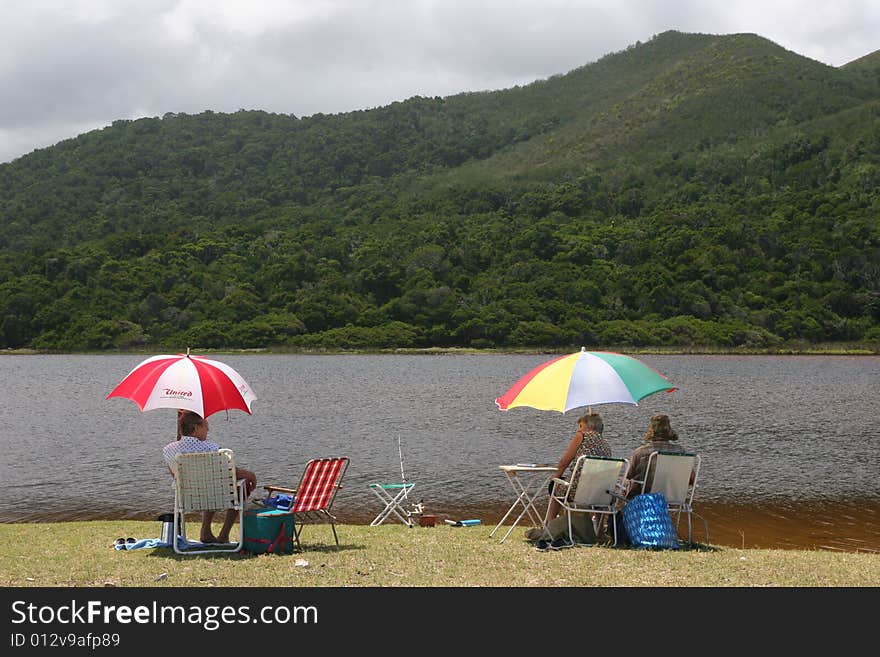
{"x":417,"y":508}
{"x":402,"y":475}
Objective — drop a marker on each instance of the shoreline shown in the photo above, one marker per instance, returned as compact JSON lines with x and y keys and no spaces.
{"x":829,"y":349}
{"x":783,"y":525}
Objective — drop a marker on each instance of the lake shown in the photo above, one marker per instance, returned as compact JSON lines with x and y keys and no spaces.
{"x":790,"y":450}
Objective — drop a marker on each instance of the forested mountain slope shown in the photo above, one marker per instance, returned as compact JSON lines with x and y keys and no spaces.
{"x":693,"y":189}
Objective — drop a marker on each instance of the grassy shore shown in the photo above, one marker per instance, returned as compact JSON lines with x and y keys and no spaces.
{"x":79,"y":554}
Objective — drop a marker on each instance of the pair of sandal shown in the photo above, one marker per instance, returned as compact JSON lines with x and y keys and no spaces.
{"x":123,"y":541}
{"x":558,"y":544}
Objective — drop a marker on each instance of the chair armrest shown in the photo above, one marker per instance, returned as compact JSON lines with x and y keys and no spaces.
{"x":280,"y":489}
{"x":630,"y":485}
{"x":556,"y":481}
{"x":616,"y":494}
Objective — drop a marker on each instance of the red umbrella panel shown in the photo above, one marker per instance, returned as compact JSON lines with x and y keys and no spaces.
{"x":194,"y":383}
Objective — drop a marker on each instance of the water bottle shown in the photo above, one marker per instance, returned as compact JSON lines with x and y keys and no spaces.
{"x":168,"y":534}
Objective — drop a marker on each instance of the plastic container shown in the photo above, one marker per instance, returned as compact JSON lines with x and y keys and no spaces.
{"x":462,"y":523}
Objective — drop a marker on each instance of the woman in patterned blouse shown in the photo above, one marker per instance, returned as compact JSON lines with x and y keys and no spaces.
{"x":587,"y":440}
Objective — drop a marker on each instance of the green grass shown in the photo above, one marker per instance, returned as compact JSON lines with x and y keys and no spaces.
{"x":79,"y":554}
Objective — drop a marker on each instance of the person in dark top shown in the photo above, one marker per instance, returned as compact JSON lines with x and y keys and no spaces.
{"x":660,"y":437}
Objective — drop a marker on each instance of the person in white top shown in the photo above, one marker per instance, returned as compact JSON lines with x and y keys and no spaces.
{"x":193,"y":430}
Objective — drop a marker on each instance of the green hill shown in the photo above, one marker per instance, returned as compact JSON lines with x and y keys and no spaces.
{"x":691,"y":190}
{"x":869,"y":64}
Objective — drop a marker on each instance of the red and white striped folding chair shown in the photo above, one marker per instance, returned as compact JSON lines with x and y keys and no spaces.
{"x":313,"y":498}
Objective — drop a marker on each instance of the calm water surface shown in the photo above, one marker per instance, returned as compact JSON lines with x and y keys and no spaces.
{"x":789,"y":444}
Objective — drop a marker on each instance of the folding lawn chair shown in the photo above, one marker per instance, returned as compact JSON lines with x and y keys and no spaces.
{"x":392,"y":496}
{"x":674,"y":475}
{"x":205,"y":481}
{"x":314,"y":497}
{"x":595,"y":490}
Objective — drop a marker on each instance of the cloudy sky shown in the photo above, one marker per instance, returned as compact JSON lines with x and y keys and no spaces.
{"x":70,"y":66}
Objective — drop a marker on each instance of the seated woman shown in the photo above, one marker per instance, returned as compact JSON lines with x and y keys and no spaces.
{"x":587,"y":440}
{"x":658,"y":438}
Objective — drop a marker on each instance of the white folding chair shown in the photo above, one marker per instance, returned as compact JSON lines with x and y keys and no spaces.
{"x":595,"y":489}
{"x":674,"y":475}
{"x":392,"y":496}
{"x":205,"y":481}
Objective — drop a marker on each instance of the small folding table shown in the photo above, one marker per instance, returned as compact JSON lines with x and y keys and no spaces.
{"x":526,"y":488}
{"x":392,"y":496}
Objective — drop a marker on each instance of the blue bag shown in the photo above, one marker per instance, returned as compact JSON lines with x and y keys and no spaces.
{"x":282,"y":502}
{"x":647,"y":523}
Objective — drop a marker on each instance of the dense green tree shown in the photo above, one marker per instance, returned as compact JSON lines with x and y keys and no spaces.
{"x":693,"y":190}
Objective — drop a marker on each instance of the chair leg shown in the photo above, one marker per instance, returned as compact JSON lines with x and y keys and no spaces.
{"x":677,"y":519}
{"x":296,"y":533}
{"x":706,"y":527}
{"x":386,"y":512}
{"x":691,"y":512}
{"x":400,"y":513}
{"x":313,"y":517}
{"x":604,"y":522}
{"x":598,"y":521}
{"x":688,"y":512}
{"x":180,"y":529}
{"x":392,"y":505}
{"x":332,"y":520}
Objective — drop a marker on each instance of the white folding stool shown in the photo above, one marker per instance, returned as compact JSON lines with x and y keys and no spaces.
{"x":392,"y":502}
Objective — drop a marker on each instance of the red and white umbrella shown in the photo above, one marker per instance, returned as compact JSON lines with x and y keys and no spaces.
{"x":193,"y":383}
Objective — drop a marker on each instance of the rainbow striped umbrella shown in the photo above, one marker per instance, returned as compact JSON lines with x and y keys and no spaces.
{"x":585,"y":378}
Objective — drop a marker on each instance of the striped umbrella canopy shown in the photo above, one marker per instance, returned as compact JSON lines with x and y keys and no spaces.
{"x":193,"y":383}
{"x":585,"y":378}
